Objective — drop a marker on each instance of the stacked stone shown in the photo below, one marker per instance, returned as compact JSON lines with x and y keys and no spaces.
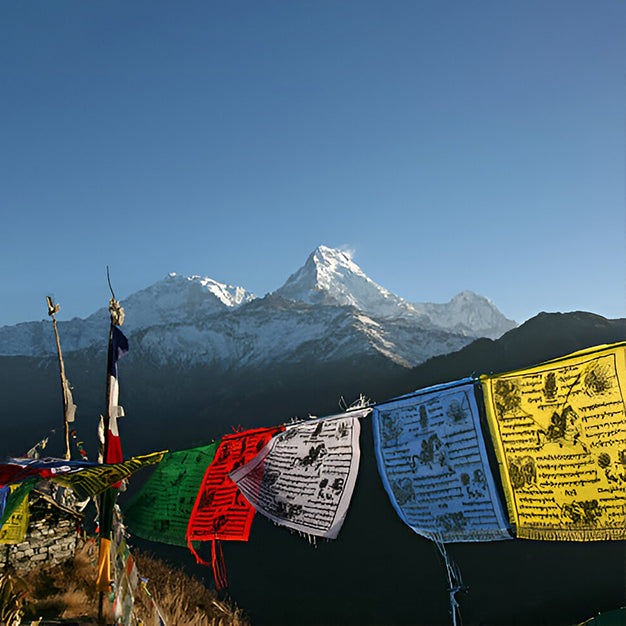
{"x":51,"y":537}
{"x":44,"y":545}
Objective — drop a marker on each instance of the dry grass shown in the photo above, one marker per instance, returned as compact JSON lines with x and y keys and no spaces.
{"x":13,"y":597}
{"x":180,"y":598}
{"x":68,"y":592}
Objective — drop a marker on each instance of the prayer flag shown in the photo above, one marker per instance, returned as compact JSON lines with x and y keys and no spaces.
{"x":304,"y":477}
{"x":124,"y":597}
{"x":220,"y":511}
{"x":70,"y":407}
{"x":91,"y":481}
{"x":433,"y":463}
{"x":105,"y":532}
{"x":4,"y":493}
{"x":161,"y":510}
{"x":18,"y":469}
{"x":113,"y":446}
{"x":103,"y":580}
{"x":559,"y":430}
{"x":14,"y":512}
{"x":125,"y":576}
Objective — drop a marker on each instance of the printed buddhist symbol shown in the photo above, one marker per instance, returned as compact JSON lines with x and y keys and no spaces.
{"x":330,"y":491}
{"x":456,"y":412}
{"x":508,"y":397}
{"x":582,"y":513}
{"x":615,"y":474}
{"x":452,"y":522}
{"x":403,"y":491}
{"x":597,"y":379}
{"x":423,"y":417}
{"x":550,"y":388}
{"x":342,"y":431}
{"x":563,"y":429}
{"x":391,"y":429}
{"x":433,"y":453}
{"x":314,"y":458}
{"x":474,"y":487}
{"x":523,"y":472}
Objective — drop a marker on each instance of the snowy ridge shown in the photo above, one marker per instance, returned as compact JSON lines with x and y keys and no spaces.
{"x":331,"y":277}
{"x":328,"y":309}
{"x":174,"y":300}
{"x":468,"y":314}
{"x":178,"y":299}
{"x":277,"y":330}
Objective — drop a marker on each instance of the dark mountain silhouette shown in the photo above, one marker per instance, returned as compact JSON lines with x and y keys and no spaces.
{"x":543,"y":337}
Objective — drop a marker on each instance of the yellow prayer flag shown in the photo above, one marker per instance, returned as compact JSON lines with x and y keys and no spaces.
{"x":103,"y":582}
{"x":91,"y":481}
{"x":559,"y":431}
{"x":14,"y":529}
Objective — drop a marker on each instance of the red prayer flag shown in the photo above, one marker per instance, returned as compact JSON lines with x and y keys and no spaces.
{"x":221,"y":512}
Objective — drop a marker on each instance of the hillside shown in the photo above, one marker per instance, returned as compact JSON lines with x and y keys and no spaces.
{"x":376,"y":555}
{"x":66,"y":594}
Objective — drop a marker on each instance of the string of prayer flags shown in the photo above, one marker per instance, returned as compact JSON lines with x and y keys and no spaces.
{"x":18,"y":469}
{"x":559,"y":430}
{"x":14,"y":513}
{"x":158,"y":618}
{"x":304,"y":477}
{"x":125,"y":575}
{"x":125,"y":591}
{"x":91,"y":481}
{"x":433,"y":463}
{"x":79,"y":445}
{"x":162,"y":508}
{"x":220,"y":511}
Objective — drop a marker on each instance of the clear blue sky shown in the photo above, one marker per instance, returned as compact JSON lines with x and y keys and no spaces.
{"x":450,"y":145}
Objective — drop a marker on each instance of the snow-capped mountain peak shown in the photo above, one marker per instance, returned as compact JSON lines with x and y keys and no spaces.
{"x":468,"y":313}
{"x":329,"y":262}
{"x":231,"y":296}
{"x":179,"y":298}
{"x":330,"y":276}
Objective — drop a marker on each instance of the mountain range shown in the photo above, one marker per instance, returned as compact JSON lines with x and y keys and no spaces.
{"x":327,"y":306}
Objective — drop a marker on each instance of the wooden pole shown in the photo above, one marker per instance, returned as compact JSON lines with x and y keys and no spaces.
{"x":52,"y":309}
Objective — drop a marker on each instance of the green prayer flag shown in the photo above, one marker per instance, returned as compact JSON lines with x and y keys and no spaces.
{"x":160,"y":511}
